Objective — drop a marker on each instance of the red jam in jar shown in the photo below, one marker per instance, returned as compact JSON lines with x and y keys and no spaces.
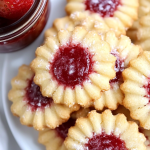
{"x":16,"y":35}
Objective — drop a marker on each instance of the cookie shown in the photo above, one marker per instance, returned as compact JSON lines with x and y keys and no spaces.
{"x":143,"y":10}
{"x":74,"y":66}
{"x":121,"y":48}
{"x":136,"y":88}
{"x":143,"y":36}
{"x":123,"y":110}
{"x":104,"y":131}
{"x":54,"y":138}
{"x":124,"y":51}
{"x":33,"y":108}
{"x":117,"y":14}
{"x":70,"y":22}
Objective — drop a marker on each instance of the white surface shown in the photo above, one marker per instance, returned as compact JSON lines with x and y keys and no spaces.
{"x":7,"y":141}
{"x":26,"y":137}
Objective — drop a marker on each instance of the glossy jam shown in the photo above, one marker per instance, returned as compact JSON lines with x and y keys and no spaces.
{"x":62,"y":130}
{"x":147,"y":87}
{"x":119,"y":67}
{"x":72,"y":65}
{"x":23,"y":32}
{"x":105,"y":142}
{"x":34,"y":98}
{"x":105,"y":8}
{"x":14,"y":9}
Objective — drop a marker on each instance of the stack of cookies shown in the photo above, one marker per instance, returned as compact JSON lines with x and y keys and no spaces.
{"x":89,"y":82}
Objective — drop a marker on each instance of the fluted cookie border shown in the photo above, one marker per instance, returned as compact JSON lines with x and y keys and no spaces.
{"x":96,"y":124}
{"x":49,"y":116}
{"x":98,"y":80}
{"x":143,"y":10}
{"x":135,"y":87}
{"x":123,"y":49}
{"x":49,"y":139}
{"x":123,"y":18}
{"x":142,"y":33}
{"x":70,"y":22}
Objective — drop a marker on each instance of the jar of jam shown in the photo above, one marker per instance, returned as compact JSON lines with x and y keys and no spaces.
{"x":19,"y":34}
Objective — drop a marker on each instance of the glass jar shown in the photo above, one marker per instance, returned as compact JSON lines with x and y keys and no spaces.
{"x":23,"y":32}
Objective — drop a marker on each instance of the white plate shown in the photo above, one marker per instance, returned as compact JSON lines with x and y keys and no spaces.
{"x":25,"y":136}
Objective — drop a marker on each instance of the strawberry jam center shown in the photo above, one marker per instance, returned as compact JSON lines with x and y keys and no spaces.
{"x":147,"y":87}
{"x":34,"y":98}
{"x":119,"y":67}
{"x":105,"y":8}
{"x":72,"y":65}
{"x":105,"y":142}
{"x":62,"y":130}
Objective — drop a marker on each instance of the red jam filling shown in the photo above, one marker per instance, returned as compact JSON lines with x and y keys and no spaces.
{"x":72,"y":65}
{"x":105,"y":8}
{"x":34,"y":98}
{"x":147,"y":87}
{"x":17,"y":40}
{"x":119,"y":67}
{"x":62,"y":130}
{"x":105,"y":142}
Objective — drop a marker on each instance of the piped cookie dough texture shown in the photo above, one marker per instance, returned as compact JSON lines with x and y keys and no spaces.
{"x":74,"y":66}
{"x":124,"y":51}
{"x":142,"y":33}
{"x":121,"y":48}
{"x":143,"y":10}
{"x":33,"y":108}
{"x":126,"y":112}
{"x":88,"y":22}
{"x":136,"y":88}
{"x":54,"y":138}
{"x":117,"y":14}
{"x":104,"y":131}
{"x":69,"y":23}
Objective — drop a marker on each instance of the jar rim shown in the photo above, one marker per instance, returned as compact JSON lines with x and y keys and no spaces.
{"x":24,"y":23}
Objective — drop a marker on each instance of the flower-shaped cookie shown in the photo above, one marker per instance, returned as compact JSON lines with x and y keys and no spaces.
{"x":142,"y":34}
{"x":54,"y":138}
{"x":136,"y":88}
{"x":117,"y":14}
{"x":73,"y":67}
{"x":124,"y":51}
{"x":104,"y":131}
{"x":32,"y":108}
{"x":121,"y":48}
{"x":143,"y":10}
{"x":126,"y":112}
